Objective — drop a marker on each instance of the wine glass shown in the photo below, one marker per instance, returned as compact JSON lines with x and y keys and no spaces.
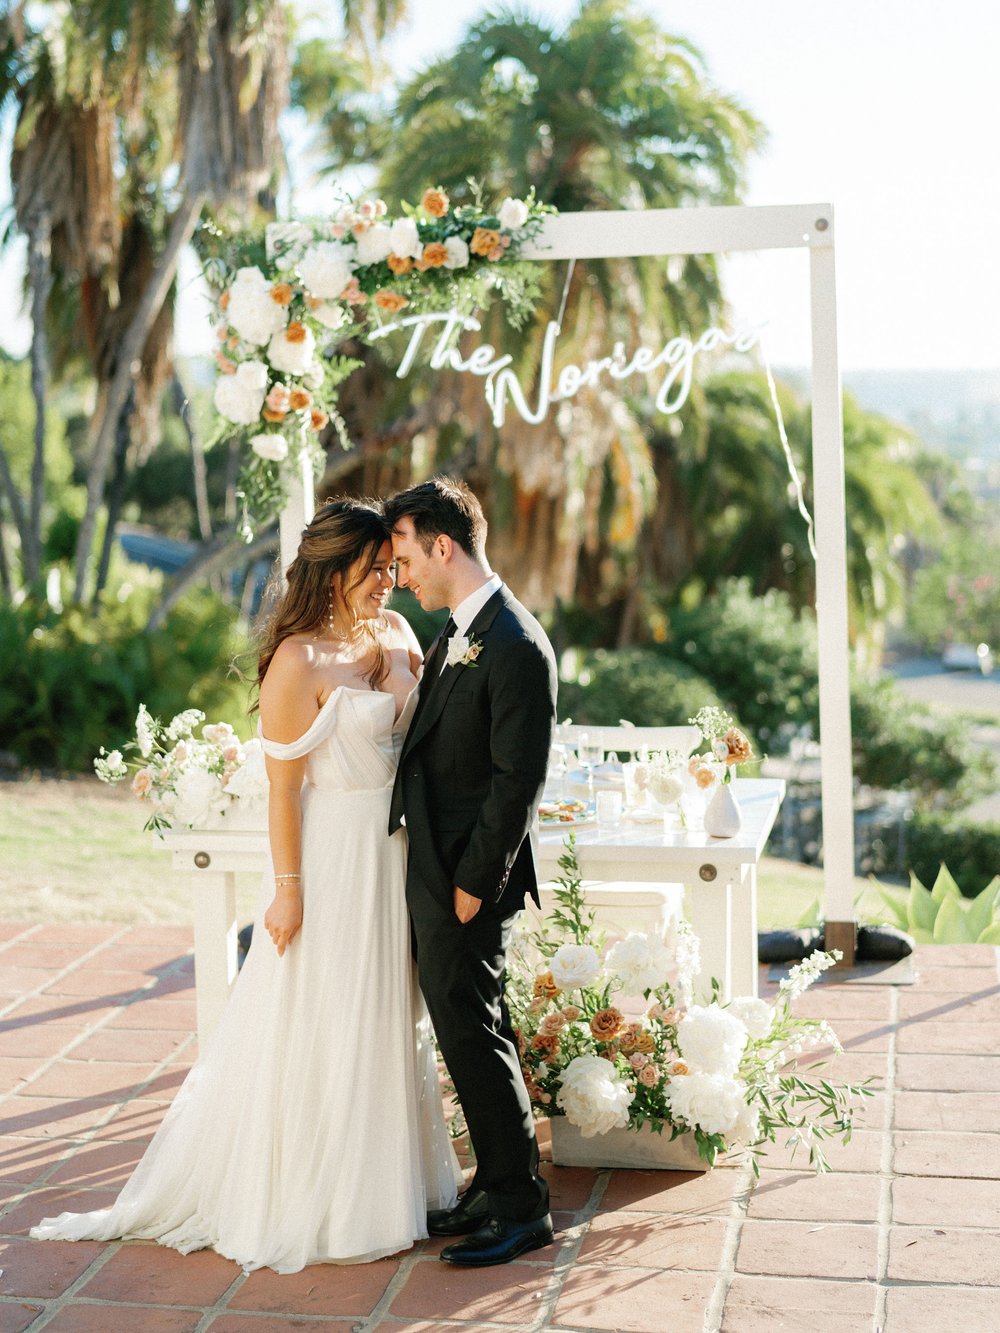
{"x":590,"y":755}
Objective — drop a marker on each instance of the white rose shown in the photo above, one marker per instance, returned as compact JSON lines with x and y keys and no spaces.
{"x":240,"y":396}
{"x":325,"y":269}
{"x":574,"y":966}
{"x":270,"y":446}
{"x":666,"y":788}
{"x":458,"y":252}
{"x":711,"y":1040}
{"x":330,"y":316}
{"x":747,"y":1127}
{"x":197,"y":795}
{"x":295,"y":358}
{"x":405,"y":240}
{"x":641,"y":962}
{"x":756,"y":1015}
{"x":252,"y":310}
{"x":285,"y":241}
{"x":713,"y":1103}
{"x":217,"y":733}
{"x":594,"y":1096}
{"x":513,"y":214}
{"x":458,"y":646}
{"x":374,"y":245}
{"x":249,"y":782}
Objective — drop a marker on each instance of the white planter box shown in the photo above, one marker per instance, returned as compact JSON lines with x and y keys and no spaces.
{"x":636,"y":1149}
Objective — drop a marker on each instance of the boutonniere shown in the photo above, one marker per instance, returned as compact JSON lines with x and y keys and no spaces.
{"x":463,"y":651}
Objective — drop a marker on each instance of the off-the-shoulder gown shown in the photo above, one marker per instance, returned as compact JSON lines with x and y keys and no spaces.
{"x":311,"y":1127}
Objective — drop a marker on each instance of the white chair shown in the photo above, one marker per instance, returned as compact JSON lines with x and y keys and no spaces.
{"x":625,"y":738}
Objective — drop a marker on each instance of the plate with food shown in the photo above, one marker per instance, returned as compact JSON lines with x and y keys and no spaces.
{"x":564,"y":814}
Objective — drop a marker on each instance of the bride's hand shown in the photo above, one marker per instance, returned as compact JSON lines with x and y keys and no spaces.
{"x":284,"y":917}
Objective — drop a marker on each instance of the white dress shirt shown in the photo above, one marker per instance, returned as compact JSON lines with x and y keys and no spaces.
{"x":465,"y":613}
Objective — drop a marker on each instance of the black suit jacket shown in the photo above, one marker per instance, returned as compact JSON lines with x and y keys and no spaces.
{"x":473,"y":763}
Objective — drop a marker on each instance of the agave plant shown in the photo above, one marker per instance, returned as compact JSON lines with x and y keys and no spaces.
{"x":941,"y":915}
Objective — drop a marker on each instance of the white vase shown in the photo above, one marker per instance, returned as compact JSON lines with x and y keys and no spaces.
{"x":635,"y":1149}
{"x":722,"y":814}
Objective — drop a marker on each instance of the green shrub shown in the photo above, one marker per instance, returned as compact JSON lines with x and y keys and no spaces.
{"x":970,"y":850}
{"x":70,"y":683}
{"x":636,"y":684}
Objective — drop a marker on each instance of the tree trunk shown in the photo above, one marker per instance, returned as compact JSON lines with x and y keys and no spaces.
{"x":181,"y":230}
{"x":40,"y":280}
{"x":198,"y":470}
{"x":116,"y":497}
{"x":6,"y":582}
{"x":16,"y":503}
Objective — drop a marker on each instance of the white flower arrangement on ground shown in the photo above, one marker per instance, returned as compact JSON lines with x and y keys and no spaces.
{"x":288,"y":297}
{"x":725,"y":1073}
{"x":186,"y":780}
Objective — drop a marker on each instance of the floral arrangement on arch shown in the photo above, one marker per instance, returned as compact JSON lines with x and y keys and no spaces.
{"x":288,"y":297}
{"x":724,"y":1072}
{"x":188,"y":780}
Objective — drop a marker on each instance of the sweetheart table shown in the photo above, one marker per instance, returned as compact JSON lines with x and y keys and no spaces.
{"x":630,"y":863}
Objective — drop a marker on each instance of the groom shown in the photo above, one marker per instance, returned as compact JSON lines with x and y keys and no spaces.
{"x":469,"y":779}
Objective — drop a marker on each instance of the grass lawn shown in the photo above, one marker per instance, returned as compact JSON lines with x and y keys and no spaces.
{"x":73,"y":850}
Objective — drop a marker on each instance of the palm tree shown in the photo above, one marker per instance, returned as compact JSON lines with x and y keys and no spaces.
{"x":608,"y":112}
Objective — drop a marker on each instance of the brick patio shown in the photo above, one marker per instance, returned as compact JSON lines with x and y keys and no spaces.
{"x":96,"y":1033}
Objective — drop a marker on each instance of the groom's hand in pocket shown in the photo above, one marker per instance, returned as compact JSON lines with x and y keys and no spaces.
{"x":466,"y":906}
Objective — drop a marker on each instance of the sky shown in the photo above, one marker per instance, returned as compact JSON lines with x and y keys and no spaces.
{"x":884,"y":108}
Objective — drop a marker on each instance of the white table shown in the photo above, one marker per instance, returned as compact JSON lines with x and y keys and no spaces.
{"x":719,"y":876}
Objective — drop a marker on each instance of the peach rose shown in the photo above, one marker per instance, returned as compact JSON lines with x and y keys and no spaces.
{"x":705,"y":778}
{"x":571,"y":1013}
{"x":225,"y":365}
{"x":435,"y":202}
{"x":390,"y":301}
{"x":552,"y":1024}
{"x":282,"y":293}
{"x":353,"y":294}
{"x":317,"y":419}
{"x":484,"y":240}
{"x":545,"y":984}
{"x":628,"y":1039}
{"x":544,"y":1042}
{"x":400,"y":264}
{"x":224,"y":300}
{"x":299,"y":399}
{"x":142,"y":783}
{"x":495,"y":254}
{"x":645,"y":1043}
{"x":649,"y":1076}
{"x":435,"y":254}
{"x":638,"y":1060}
{"x":278,"y":398}
{"x":678,"y":1069}
{"x":232,"y":343}
{"x":296,"y":332}
{"x":606,"y":1023}
{"x":738,"y":746}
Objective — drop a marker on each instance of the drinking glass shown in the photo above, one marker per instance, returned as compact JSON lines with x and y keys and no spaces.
{"x":610,"y":808}
{"x":589,"y":755}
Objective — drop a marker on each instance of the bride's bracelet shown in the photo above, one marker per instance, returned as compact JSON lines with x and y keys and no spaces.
{"x":294,"y":875}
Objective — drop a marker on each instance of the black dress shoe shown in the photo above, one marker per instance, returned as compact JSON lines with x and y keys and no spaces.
{"x":498,"y":1242}
{"x":470,"y":1212}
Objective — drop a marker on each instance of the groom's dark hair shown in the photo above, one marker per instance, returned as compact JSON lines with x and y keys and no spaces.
{"x":442,"y":505}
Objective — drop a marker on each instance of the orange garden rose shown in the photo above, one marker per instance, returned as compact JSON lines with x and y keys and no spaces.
{"x":269,"y":414}
{"x":317,"y":419}
{"x":545,"y":985}
{"x":225,"y":365}
{"x":678,"y":1069}
{"x":400,"y":264}
{"x":571,"y":1013}
{"x":224,"y":300}
{"x":435,"y":254}
{"x":435,"y":202}
{"x":544,"y":1042}
{"x":606,"y":1023}
{"x":299,"y":399}
{"x":296,"y":332}
{"x":484,"y":239}
{"x":704,"y":777}
{"x":390,"y":301}
{"x":282,"y":293}
{"x":738,"y":746}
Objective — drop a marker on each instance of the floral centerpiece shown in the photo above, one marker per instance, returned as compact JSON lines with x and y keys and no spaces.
{"x":725,"y":1073}
{"x":728,"y":747}
{"x":188,"y":780}
{"x":288,"y":297}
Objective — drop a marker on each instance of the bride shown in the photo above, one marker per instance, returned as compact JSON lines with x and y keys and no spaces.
{"x":311,"y":1127}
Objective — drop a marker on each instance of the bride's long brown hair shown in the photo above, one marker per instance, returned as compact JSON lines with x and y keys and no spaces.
{"x":344,"y":538}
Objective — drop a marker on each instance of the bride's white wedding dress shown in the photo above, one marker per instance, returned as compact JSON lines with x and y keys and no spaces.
{"x":311,"y":1127}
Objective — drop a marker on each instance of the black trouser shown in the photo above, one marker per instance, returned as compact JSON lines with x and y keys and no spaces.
{"x":461,"y":971}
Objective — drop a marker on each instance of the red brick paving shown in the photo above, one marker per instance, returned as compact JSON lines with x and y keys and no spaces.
{"x":903,"y":1237}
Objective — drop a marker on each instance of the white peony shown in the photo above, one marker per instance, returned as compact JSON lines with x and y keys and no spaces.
{"x":198,"y":795}
{"x":641,"y":962}
{"x":249,"y":782}
{"x":711,"y":1102}
{"x":513,"y":214}
{"x":374,"y":245}
{"x":756,"y":1015}
{"x":325,"y":269}
{"x":458,"y":252}
{"x":252,"y":310}
{"x":747,"y":1127}
{"x":240,"y":396}
{"x":270,"y":446}
{"x":295,"y":358}
{"x":144,"y":731}
{"x":330,"y":316}
{"x":665,"y":788}
{"x":285,"y":242}
{"x":594,"y":1096}
{"x":574,"y":966}
{"x":711,"y":1039}
{"x":405,"y":240}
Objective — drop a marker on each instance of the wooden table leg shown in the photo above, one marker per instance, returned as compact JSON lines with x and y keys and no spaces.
{"x":708,"y":907}
{"x":214,"y":945}
{"x":744,"y":970}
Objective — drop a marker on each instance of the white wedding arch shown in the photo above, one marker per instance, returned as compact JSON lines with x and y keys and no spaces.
{"x":664,"y":232}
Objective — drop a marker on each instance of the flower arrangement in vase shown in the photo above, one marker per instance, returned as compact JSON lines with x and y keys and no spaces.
{"x":728,"y":748}
{"x":190,"y":781}
{"x":721,"y":1072}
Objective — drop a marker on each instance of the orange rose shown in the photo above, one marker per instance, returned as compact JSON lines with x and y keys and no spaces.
{"x":606,"y":1023}
{"x":400,"y":264}
{"x":644,"y":1042}
{"x":547,"y":1044}
{"x":435,"y":202}
{"x":232,"y":343}
{"x":496,"y":253}
{"x":679,"y":1068}
{"x":628,"y":1039}
{"x":225,"y":365}
{"x":282,"y":293}
{"x":738,"y":746}
{"x":571,"y":1013}
{"x":296,"y":332}
{"x":298,"y":399}
{"x":545,"y":985}
{"x":484,"y":240}
{"x":522,"y":1043}
{"x":224,"y":300}
{"x":435,"y":254}
{"x":705,"y":778}
{"x":270,"y":415}
{"x":317,"y":419}
{"x":390,"y":301}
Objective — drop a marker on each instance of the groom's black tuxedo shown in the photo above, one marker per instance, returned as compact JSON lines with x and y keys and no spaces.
{"x":469,"y":780}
